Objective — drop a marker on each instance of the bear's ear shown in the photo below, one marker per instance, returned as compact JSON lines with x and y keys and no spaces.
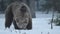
{"x":23,"y":9}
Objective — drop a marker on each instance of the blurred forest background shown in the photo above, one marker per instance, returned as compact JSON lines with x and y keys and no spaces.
{"x":38,"y":5}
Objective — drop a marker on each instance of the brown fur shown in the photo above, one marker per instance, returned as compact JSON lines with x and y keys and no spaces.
{"x":19,"y":14}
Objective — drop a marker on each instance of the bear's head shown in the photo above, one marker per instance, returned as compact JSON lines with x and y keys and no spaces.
{"x":21,"y":17}
{"x":22,"y":22}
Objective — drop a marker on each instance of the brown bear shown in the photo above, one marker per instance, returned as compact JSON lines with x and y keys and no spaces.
{"x":19,"y":14}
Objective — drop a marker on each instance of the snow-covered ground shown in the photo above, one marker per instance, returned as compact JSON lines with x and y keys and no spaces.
{"x":40,"y":25}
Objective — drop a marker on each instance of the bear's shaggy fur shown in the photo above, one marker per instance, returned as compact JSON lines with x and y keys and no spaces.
{"x":19,"y":14}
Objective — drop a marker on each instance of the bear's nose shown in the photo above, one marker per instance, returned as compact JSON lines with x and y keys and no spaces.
{"x":17,"y":20}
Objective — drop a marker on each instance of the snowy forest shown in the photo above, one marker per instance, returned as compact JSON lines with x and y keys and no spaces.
{"x":45,"y":17}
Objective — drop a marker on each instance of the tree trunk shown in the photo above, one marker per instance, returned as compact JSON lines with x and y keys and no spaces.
{"x":1,"y":6}
{"x":52,"y":20}
{"x":37,"y":4}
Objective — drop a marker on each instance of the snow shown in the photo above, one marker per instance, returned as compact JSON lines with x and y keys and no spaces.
{"x":40,"y":25}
